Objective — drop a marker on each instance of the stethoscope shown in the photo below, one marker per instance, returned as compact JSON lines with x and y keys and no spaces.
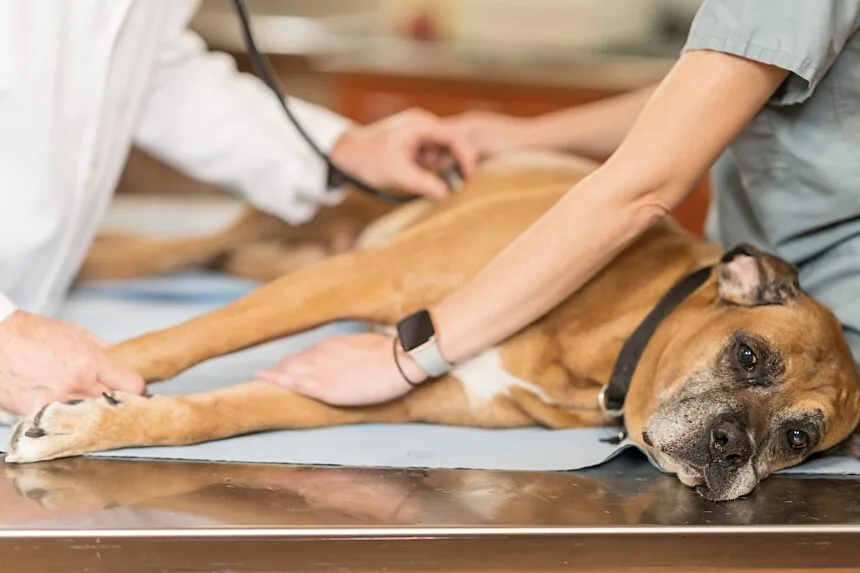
{"x":262,"y":69}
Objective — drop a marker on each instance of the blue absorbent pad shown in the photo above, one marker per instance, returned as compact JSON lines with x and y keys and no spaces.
{"x":119,"y":310}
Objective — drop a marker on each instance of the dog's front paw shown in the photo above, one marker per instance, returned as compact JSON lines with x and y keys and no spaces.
{"x":70,"y":429}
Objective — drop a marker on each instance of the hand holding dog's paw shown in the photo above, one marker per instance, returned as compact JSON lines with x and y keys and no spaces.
{"x":356,"y":370}
{"x":44,"y":360}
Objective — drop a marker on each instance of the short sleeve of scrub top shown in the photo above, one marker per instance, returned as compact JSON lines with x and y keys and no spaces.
{"x":790,"y":181}
{"x":801,"y":36}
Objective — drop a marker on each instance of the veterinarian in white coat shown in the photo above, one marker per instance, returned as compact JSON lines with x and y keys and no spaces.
{"x":81,"y":81}
{"x":768,"y":93}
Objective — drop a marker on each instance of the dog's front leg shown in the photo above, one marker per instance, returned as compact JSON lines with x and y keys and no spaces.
{"x":378,"y":285}
{"x":128,"y":420}
{"x":339,"y":289}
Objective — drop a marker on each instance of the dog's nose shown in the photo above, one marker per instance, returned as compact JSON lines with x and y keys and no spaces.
{"x":730,"y":444}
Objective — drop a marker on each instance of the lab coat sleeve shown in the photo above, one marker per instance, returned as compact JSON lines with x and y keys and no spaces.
{"x":801,"y":36}
{"x":220,"y":126}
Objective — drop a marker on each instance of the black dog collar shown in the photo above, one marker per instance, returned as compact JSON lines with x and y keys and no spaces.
{"x":612,"y":395}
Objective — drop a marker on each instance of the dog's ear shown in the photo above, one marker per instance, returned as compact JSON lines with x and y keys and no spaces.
{"x":747,"y":276}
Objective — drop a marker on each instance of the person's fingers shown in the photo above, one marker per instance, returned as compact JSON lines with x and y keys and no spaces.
{"x":30,"y":402}
{"x":87,"y":392}
{"x":272,"y":375}
{"x":99,"y":341}
{"x":300,"y":384}
{"x":121,"y":380}
{"x":296,"y":363}
{"x":459,"y":147}
{"x":435,"y":157}
{"x":418,"y":181}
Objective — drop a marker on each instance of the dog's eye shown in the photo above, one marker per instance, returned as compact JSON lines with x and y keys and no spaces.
{"x":797,"y":439}
{"x":746,"y":357}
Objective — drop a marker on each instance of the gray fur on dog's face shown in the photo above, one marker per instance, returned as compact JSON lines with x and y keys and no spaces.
{"x":756,"y":379}
{"x":728,"y":427}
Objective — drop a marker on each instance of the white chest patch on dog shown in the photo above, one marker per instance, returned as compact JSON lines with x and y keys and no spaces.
{"x":484,"y":379}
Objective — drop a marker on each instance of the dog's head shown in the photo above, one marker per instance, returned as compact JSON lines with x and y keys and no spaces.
{"x":755,"y":379}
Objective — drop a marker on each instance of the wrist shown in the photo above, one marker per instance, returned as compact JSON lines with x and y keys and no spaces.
{"x":416,"y":348}
{"x":534,"y":132}
{"x":409,"y":370}
{"x":448,"y":338}
{"x":555,"y":132}
{"x":346,"y":154}
{"x":341,"y":147}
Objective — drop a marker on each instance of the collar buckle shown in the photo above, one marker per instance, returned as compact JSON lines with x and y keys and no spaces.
{"x":604,"y":407}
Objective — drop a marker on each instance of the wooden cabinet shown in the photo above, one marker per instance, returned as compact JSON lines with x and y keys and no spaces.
{"x":368,"y":97}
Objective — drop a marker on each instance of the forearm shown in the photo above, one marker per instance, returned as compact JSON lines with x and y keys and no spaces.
{"x":691,"y":118}
{"x":595,"y":129}
{"x":552,"y":259}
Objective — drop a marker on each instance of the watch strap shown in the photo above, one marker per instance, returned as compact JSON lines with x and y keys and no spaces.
{"x":430,"y":360}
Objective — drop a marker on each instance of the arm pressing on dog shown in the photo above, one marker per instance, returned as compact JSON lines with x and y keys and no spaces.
{"x":690,"y":119}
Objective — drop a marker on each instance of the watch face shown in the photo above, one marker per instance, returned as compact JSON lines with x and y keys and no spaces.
{"x":415,"y":330}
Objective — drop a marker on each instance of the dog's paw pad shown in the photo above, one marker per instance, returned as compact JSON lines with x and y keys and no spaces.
{"x":63,"y":429}
{"x":34,"y":432}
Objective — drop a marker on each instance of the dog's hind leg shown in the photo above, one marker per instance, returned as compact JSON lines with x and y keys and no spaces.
{"x":117,"y":256}
{"x":378,"y":285}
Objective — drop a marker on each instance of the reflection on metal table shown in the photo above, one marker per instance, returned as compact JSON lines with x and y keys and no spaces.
{"x":88,"y":514}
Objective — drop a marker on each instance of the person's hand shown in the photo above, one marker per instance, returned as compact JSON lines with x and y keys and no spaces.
{"x":354,"y":370}
{"x":393,"y":153}
{"x":489,"y":133}
{"x":45,"y":360}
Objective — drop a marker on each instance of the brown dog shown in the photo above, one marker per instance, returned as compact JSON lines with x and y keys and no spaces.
{"x":747,"y":375}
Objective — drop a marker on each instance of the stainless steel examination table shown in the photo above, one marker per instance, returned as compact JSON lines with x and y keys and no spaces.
{"x":145,"y":516}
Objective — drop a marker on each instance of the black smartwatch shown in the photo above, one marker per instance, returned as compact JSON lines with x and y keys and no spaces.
{"x":417,"y":336}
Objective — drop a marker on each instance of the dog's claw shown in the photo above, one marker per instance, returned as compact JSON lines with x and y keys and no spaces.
{"x":36,"y":494}
{"x":63,"y":429}
{"x":35,"y":432}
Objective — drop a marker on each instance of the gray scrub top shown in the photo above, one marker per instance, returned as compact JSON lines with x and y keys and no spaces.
{"x":790,"y":182}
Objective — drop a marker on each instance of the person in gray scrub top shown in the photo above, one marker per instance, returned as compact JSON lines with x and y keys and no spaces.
{"x":765,"y":93}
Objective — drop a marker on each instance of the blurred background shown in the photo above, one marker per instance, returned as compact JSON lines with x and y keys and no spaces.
{"x":367,"y":59}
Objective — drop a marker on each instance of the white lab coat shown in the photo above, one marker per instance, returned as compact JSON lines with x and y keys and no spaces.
{"x":81,"y":81}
